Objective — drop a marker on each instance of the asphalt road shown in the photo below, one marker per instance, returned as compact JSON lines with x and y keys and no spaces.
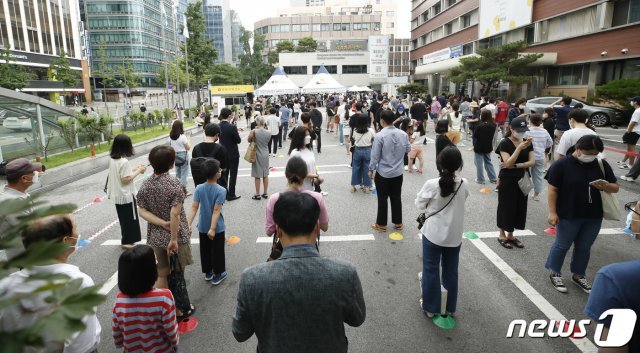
{"x":496,"y":285}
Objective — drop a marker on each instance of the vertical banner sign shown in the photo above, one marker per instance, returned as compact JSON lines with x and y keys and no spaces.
{"x":378,"y":56}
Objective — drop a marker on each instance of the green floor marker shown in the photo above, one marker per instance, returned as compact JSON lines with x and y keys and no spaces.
{"x":470,"y":235}
{"x":445,"y":322}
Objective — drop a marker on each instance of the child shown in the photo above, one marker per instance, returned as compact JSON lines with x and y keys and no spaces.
{"x":211,"y":228}
{"x":416,"y":147}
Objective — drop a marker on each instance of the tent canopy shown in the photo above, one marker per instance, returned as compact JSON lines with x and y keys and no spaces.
{"x":322,"y":82}
{"x":277,"y":84}
{"x":356,"y":88}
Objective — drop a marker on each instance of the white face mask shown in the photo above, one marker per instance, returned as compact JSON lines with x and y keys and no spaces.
{"x":521,"y":106}
{"x":35,"y":177}
{"x":587,"y":158}
{"x":544,"y":116}
{"x":307,"y":140}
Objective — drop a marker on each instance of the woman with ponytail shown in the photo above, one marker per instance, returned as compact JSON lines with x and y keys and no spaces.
{"x":296,"y":173}
{"x":455,"y":123}
{"x":442,"y":200}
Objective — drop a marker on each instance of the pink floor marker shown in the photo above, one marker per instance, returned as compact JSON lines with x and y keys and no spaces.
{"x":187,"y":325}
{"x":550,"y":231}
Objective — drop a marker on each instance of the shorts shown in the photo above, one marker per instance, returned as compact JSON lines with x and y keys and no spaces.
{"x":434,"y":116}
{"x":415,"y":151}
{"x":630,"y":138}
{"x":184,"y":255}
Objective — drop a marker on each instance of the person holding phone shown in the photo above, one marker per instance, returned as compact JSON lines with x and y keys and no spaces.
{"x":575,"y":208}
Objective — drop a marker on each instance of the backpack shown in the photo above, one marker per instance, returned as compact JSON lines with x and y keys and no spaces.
{"x":197,"y":163}
{"x":400,"y":108}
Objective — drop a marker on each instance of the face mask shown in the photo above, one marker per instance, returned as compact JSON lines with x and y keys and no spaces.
{"x":521,"y":106}
{"x":35,"y":177}
{"x":307,"y":140}
{"x":586,"y":158}
{"x":386,"y":106}
{"x":544,"y":116}
{"x":632,"y":103}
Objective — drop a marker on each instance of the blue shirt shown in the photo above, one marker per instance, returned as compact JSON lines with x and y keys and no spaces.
{"x":562,"y":117}
{"x":209,"y":195}
{"x":616,"y":287}
{"x":387,"y":153}
{"x":284,"y":115}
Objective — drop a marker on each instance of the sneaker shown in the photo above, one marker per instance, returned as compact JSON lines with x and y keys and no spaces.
{"x":624,"y":166}
{"x":536,"y":197}
{"x":219,"y":278}
{"x":324,"y":193}
{"x":479,"y":181}
{"x":406,"y":167}
{"x":581,"y":282}
{"x":429,"y":315}
{"x":627,"y":178}
{"x":558,"y":284}
{"x":619,"y":162}
{"x":208,"y":276}
{"x":353,"y":189}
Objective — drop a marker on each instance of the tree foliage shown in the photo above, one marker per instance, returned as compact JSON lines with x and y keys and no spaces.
{"x":12,"y":76}
{"x":285,"y":46}
{"x":69,"y":302}
{"x":493,"y":65}
{"x":106,"y":73}
{"x":202,"y":53}
{"x":254,"y":69}
{"x":619,"y":91}
{"x":129,"y":76}
{"x":61,"y":71}
{"x":306,"y":45}
{"x":411,"y":88}
{"x":225,"y":74}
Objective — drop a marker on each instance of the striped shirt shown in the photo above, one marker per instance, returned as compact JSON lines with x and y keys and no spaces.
{"x":146,"y":323}
{"x":541,"y":141}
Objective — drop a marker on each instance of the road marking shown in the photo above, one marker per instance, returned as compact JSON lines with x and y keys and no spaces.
{"x":109,"y":284}
{"x":518,"y":233}
{"x":329,"y":238}
{"x":321,"y":166}
{"x":280,"y":174}
{"x":101,"y":231}
{"x":584,"y":345}
{"x":611,"y":231}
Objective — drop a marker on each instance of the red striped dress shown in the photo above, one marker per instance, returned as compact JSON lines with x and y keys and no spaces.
{"x":146,"y":323}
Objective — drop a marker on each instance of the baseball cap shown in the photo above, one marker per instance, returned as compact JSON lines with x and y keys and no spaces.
{"x":636,"y":99}
{"x":19,"y":167}
{"x":519,"y":125}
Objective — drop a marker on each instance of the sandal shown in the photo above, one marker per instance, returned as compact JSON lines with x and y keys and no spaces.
{"x":187,"y":314}
{"x":505,"y":243}
{"x":265,"y":196}
{"x":256,"y":197}
{"x":516,"y":242}
{"x":398,"y":226}
{"x":379,"y":228}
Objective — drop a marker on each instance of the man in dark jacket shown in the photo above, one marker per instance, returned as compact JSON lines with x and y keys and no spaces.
{"x":316,"y":120}
{"x":229,"y":138}
{"x":209,"y":149}
{"x":309,"y":296}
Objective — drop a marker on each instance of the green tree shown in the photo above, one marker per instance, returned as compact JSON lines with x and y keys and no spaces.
{"x":411,"y":88}
{"x":12,"y":76}
{"x":129,"y":76}
{"x":272,"y":57}
{"x":307,"y":45}
{"x":619,"y":91}
{"x":61,"y":71}
{"x":225,"y":74}
{"x":69,"y":303}
{"x":252,"y":65}
{"x":493,"y":65}
{"x":106,"y":73}
{"x":285,"y":46}
{"x":201,"y":50}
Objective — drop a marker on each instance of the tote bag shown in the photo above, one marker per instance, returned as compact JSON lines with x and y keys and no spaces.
{"x":250,"y":154}
{"x":610,"y":205}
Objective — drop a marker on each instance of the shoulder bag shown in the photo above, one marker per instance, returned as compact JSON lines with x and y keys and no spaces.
{"x":610,"y":205}
{"x":423,"y":217}
{"x":250,"y":154}
{"x":525,"y":183}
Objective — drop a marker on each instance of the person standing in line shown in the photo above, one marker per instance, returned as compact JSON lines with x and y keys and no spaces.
{"x":141,"y":307}
{"x":455,"y":123}
{"x":208,"y":149}
{"x":386,"y":168}
{"x":501,"y":115}
{"x":517,"y":109}
{"x":631,"y":136}
{"x":210,"y":197}
{"x":575,"y":208}
{"x":418,"y":112}
{"x":465,"y":110}
{"x":436,"y":108}
{"x":260,"y":168}
{"x":122,"y":190}
{"x":331,"y":106}
{"x":180,"y":143}
{"x":342,"y":109}
{"x":549,"y":124}
{"x":483,"y":147}
{"x":273,"y":125}
{"x":316,"y":120}
{"x":474,"y":120}
{"x":248,"y":112}
{"x":230,"y":139}
{"x":442,"y":235}
{"x":517,"y":157}
{"x":363,"y":138}
{"x":541,"y":143}
{"x":562,"y":116}
{"x":300,"y":146}
{"x":322,"y":294}
{"x":284,"y":124}
{"x":442,"y":136}
{"x":578,"y":123}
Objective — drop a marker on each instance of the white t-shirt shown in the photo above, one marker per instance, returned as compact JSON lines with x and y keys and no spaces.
{"x":364,"y":140}
{"x":492,"y":108}
{"x":455,"y":121}
{"x":570,"y":137}
{"x":121,"y":194}
{"x":635,"y":117}
{"x":178,"y":145}
{"x":445,"y":227}
{"x":417,"y":139}
{"x":308,"y":157}
{"x":273,"y":124}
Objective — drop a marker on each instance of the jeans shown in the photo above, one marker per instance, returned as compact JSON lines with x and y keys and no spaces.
{"x":341,"y":134}
{"x":635,"y":170}
{"x":582,"y":234}
{"x":182,"y":172}
{"x":432,"y":257}
{"x":360,"y":171}
{"x":537,"y":174}
{"x":389,"y":188}
{"x":273,"y":142}
{"x":284,"y":129}
{"x":212,"y":253}
{"x":484,"y":160}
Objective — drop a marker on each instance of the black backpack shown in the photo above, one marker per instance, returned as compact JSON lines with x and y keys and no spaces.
{"x":197,"y":163}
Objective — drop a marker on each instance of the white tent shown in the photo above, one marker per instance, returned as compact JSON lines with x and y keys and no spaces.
{"x":277,"y":84}
{"x":356,"y":88}
{"x":322,"y":82}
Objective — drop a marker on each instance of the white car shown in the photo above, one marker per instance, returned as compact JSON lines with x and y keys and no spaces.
{"x":17,"y":123}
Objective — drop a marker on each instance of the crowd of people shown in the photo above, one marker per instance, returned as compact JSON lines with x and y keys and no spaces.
{"x":384,"y":137}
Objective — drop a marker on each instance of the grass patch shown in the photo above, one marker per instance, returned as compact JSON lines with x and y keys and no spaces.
{"x":85,"y":152}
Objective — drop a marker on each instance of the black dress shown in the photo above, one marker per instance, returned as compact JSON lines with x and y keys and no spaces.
{"x":512,"y":203}
{"x":442,"y":141}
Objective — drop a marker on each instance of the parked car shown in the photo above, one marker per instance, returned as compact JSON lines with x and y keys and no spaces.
{"x":17,"y":123}
{"x":599,"y":115}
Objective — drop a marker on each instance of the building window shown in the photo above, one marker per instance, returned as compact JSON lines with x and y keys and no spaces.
{"x":425,"y":16}
{"x":354,"y":69}
{"x":274,"y":42}
{"x":625,"y":11}
{"x":346,"y":27}
{"x":295,"y":28}
{"x":391,"y":13}
{"x":467,"y":49}
{"x":529,"y":34}
{"x":568,"y":75}
{"x":357,"y":26}
{"x":448,"y":28}
{"x":275,"y":29}
{"x":284,"y":28}
{"x":295,"y":70}
{"x":366,"y":26}
{"x":336,"y":26}
{"x":436,"y":9}
{"x":332,"y":69}
{"x":376,"y":26}
{"x":390,"y":24}
{"x":451,"y":2}
{"x":466,"y":21}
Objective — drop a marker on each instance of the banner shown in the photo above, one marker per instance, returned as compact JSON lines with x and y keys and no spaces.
{"x":498,"y":16}
{"x":378,"y":56}
{"x":236,"y":89}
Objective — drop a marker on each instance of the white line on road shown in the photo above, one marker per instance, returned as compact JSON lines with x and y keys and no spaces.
{"x":109,"y":284}
{"x":280,"y":174}
{"x":518,"y":233}
{"x":328,"y":238}
{"x":584,"y":345}
{"x":101,"y":231}
{"x":321,"y":166}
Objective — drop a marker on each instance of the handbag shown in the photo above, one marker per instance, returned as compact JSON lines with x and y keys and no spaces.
{"x":610,"y":205}
{"x":181,"y":159}
{"x":422,"y":217}
{"x":525,"y":183}
{"x":250,"y":154}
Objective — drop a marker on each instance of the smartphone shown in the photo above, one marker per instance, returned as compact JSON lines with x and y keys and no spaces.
{"x":599,"y":181}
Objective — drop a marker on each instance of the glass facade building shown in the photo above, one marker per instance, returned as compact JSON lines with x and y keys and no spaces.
{"x":217,"y":21}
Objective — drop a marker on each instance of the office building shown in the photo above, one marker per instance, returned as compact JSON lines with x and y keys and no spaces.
{"x":301,"y":3}
{"x":236,"y":44}
{"x":585,"y":43}
{"x":217,"y":21}
{"x":37,"y":32}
